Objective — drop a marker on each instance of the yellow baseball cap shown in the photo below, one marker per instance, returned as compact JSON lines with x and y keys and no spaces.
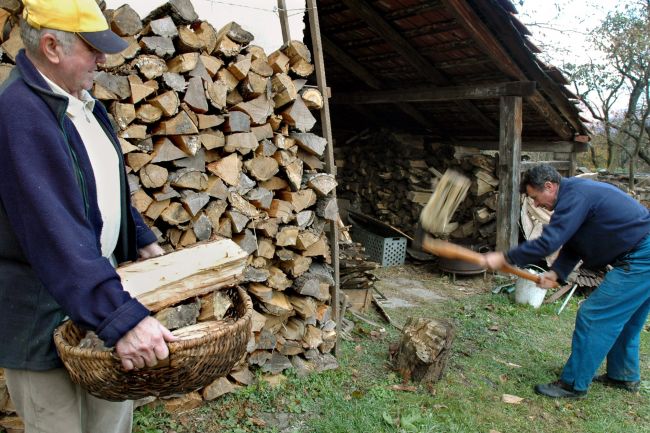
{"x":83,"y":17}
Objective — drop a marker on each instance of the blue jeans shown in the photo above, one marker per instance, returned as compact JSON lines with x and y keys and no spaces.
{"x":610,"y":321}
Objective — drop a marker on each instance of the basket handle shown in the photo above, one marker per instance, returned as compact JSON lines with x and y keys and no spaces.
{"x":161,"y":362}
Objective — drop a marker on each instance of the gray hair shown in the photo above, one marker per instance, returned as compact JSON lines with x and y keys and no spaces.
{"x":32,"y":38}
{"x":538,"y":175}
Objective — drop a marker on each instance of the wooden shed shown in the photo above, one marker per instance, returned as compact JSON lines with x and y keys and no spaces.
{"x":459,"y":71}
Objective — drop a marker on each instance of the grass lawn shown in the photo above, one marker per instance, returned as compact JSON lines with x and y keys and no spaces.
{"x":500,"y":348}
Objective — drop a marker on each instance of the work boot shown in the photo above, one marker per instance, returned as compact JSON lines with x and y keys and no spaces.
{"x":559,"y":389}
{"x":628,"y":385}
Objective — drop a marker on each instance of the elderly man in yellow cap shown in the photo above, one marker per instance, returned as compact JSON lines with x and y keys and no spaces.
{"x":65,"y":222}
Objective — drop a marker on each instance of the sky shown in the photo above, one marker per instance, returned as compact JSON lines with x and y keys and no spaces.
{"x":575,"y":18}
{"x":259,"y":17}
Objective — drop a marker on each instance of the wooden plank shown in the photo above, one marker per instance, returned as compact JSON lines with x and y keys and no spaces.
{"x":162,"y":281}
{"x":326,"y":126}
{"x":530,"y":146}
{"x":508,"y":172}
{"x":428,"y":94}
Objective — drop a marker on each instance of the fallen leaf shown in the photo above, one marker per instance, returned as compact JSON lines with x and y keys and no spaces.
{"x":258,"y":422}
{"x":503,"y":378}
{"x":511,"y":399}
{"x":494,"y":328}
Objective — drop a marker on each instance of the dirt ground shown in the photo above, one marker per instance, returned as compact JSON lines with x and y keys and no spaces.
{"x":417,"y":283}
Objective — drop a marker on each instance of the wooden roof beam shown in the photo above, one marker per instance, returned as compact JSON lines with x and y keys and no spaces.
{"x":363,"y":74}
{"x":530,"y":145}
{"x":366,"y":13}
{"x":428,"y":94}
{"x":467,"y":18}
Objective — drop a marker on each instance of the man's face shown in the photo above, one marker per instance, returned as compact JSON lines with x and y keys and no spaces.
{"x":78,"y":67}
{"x":544,"y":197}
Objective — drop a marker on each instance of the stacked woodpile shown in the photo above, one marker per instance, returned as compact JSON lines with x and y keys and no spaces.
{"x":216,"y":137}
{"x":391,"y":177}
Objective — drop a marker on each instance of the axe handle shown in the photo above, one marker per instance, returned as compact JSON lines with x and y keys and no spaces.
{"x":453,"y":251}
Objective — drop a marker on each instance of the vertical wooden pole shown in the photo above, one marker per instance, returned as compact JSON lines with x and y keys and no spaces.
{"x":317,"y":47}
{"x":509,"y":171}
{"x":284,"y":21}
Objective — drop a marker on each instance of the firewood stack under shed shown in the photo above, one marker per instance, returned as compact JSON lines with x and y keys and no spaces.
{"x":216,"y":137}
{"x":391,"y":177}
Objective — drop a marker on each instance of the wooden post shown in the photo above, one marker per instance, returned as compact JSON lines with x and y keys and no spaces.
{"x":284,"y":21}
{"x":509,"y":172}
{"x":317,"y":47}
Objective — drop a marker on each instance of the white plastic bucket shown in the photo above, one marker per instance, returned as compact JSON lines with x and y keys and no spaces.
{"x":527,"y":292}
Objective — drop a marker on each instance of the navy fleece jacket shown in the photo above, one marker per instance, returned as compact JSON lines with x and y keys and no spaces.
{"x":592,"y":221}
{"x":50,"y":257}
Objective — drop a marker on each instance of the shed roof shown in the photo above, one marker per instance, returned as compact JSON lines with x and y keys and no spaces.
{"x":439,"y":67}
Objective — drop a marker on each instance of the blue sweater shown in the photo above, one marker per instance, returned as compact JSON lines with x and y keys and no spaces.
{"x":592,"y":221}
{"x":50,"y":257}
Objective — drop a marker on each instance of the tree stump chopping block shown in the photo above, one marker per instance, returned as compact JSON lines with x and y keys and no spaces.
{"x":424,"y":349}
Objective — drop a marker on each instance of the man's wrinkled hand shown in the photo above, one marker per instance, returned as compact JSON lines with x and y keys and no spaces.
{"x":151,"y":250}
{"x":493,"y":260}
{"x":548,"y":280}
{"x":144,"y":345}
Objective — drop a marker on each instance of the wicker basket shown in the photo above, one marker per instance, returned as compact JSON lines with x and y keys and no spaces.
{"x":193,"y":363}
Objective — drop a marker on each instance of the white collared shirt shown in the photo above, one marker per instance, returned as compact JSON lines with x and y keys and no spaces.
{"x":104,"y":161}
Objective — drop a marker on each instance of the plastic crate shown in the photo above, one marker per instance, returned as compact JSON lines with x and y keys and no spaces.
{"x":385,"y":250}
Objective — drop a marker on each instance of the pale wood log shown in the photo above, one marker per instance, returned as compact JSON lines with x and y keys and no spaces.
{"x":312,"y":98}
{"x":258,"y":109}
{"x":117,"y":85}
{"x":164,"y":150}
{"x":207,"y":121}
{"x":225,"y":76}
{"x":242,"y":205}
{"x":236,"y":33}
{"x":322,"y":183}
{"x":212,"y":64}
{"x":212,"y":139}
{"x":188,"y":178}
{"x":168,"y":102}
{"x":202,"y":227}
{"x":287,"y":236}
{"x":248,"y":242}
{"x":214,"y":210}
{"x":294,"y":173}
{"x":134,"y":131}
{"x":221,"y":386}
{"x":234,"y":98}
{"x":228,"y":169}
{"x":190,"y":144}
{"x":125,"y":21}
{"x":217,"y":93}
{"x":240,"y":67}
{"x":153,"y":176}
{"x":164,"y":26}
{"x":194,"y":201}
{"x":279,"y":62}
{"x":282,"y":210}
{"x":178,"y":125}
{"x":311,"y":143}
{"x":166,"y":192}
{"x":319,"y":248}
{"x":195,"y":95}
{"x":195,"y":271}
{"x":265,"y":248}
{"x":175,"y":214}
{"x":139,"y":90}
{"x":148,"y":113}
{"x":262,"y":132}
{"x":306,"y":239}
{"x":242,"y":142}
{"x":156,"y":208}
{"x":149,"y":66}
{"x":174,"y":81}
{"x":284,"y":90}
{"x":123,"y":114}
{"x":262,"y":168}
{"x":238,"y":221}
{"x":278,"y":279}
{"x":183,"y":63}
{"x":278,"y":305}
{"x":255,"y":85}
{"x":275,"y":183}
{"x":200,"y":71}
{"x":299,"y":200}
{"x":181,"y":11}
{"x":296,"y":266}
{"x":158,"y":45}
{"x":260,"y":197}
{"x":305,"y":218}
{"x":298,"y":115}
{"x":237,"y":121}
{"x":261,"y":67}
{"x":267,"y":227}
{"x":188,"y":41}
{"x":179,"y":316}
{"x":137,"y":160}
{"x":140,"y":200}
{"x":313,"y":162}
{"x":214,"y":306}
{"x":184,"y":403}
